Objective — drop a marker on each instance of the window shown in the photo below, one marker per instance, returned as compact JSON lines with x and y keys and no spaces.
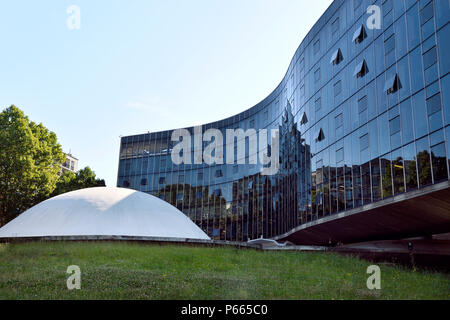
{"x":364,"y":142}
{"x":252,"y":124}
{"x":362,"y":104}
{"x":219,"y":173}
{"x":266,"y":115}
{"x":438,"y":161}
{"x":336,"y":57}
{"x":320,"y":136}
{"x":387,"y":7}
{"x":359,"y":34}
{"x":180,"y":196}
{"x":199,"y":176}
{"x":340,"y":155}
{"x":144,"y":165}
{"x":420,"y":113}
{"x":427,"y":13}
{"x":304,"y":119}
{"x":434,"y":104}
{"x":407,"y":121}
{"x":410,"y":166}
{"x":181,"y":178}
{"x":199,"y":194}
{"x":318,"y":104}
{"x":317,"y":46}
{"x":162,"y":180}
{"x":397,"y":171}
{"x":434,"y":112}
{"x":394,"y":125}
{"x":413,"y":26}
{"x":163,"y":163}
{"x":361,"y":69}
{"x":389,"y":45}
{"x":429,"y":58}
{"x":337,"y":88}
{"x":143,"y":182}
{"x":339,"y":121}
{"x":319,"y":164}
{"x":235,"y":169}
{"x":218,"y":192}
{"x":126,"y":183}
{"x":423,"y":161}
{"x":392,"y":84}
{"x":335,"y":26}
{"x":317,"y":75}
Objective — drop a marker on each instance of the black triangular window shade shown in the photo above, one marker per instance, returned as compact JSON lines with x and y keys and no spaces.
{"x":359,"y":34}
{"x":392,"y":84}
{"x":304,"y":119}
{"x":320,"y":136}
{"x":336,"y":57}
{"x":361,"y":69}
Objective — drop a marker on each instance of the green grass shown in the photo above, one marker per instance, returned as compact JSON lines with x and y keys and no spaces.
{"x":118,"y":270}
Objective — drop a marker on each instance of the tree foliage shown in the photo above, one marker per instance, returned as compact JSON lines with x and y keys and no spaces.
{"x":84,"y":178}
{"x":30,"y":156}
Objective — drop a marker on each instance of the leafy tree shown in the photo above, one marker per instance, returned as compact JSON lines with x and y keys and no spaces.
{"x":30,"y":156}
{"x":84,"y":178}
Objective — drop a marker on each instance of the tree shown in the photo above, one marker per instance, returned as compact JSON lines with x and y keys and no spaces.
{"x":84,"y":178}
{"x":30,"y":158}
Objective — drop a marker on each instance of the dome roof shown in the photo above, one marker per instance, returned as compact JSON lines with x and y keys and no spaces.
{"x":103,"y":211}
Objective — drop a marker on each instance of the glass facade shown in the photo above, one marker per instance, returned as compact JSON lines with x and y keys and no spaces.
{"x":363,"y":115}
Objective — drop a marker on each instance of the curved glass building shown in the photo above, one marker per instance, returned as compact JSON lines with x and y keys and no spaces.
{"x":363,"y":115}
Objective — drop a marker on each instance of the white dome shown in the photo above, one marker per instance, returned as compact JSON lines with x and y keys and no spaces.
{"x":103,"y":211}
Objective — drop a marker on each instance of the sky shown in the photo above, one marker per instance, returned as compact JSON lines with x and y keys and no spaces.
{"x":143,"y":65}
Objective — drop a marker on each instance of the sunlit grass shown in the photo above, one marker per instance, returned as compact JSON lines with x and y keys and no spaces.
{"x":119,"y":270}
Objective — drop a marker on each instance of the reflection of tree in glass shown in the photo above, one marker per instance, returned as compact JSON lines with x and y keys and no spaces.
{"x":386,"y":177}
{"x":439,"y":163}
{"x":411,"y":174}
{"x":424,"y":167}
{"x":397,"y":170}
{"x":190,"y":199}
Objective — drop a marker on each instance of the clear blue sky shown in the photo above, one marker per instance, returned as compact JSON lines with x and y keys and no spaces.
{"x":138,"y":66}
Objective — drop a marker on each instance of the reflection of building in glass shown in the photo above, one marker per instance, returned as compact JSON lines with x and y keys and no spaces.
{"x":363,"y":117}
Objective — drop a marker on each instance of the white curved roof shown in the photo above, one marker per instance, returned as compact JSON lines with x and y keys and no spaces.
{"x":103,"y":211}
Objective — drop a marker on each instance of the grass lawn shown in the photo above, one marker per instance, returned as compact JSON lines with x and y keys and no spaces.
{"x":119,"y":270}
